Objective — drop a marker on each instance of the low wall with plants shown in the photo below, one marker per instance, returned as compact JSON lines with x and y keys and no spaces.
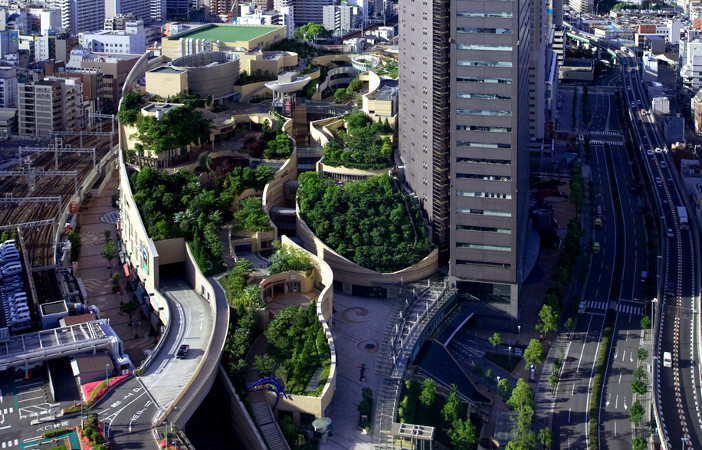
{"x":323,"y":306}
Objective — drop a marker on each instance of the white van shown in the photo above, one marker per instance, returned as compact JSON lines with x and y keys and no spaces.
{"x":667,"y":359}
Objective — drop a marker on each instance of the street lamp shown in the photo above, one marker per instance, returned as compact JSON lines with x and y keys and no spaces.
{"x":107,"y":375}
{"x":654,"y":300}
{"x":519,"y":333}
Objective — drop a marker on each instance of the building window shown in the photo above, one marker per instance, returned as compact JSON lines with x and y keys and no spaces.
{"x":483,"y":96}
{"x":491,"y":48}
{"x":484,"y":30}
{"x":484,"y":14}
{"x":484,"y":112}
{"x":483,"y":195}
{"x":497,"y":248}
{"x":483,"y":212}
{"x":477,"y":176}
{"x":499,"y":162}
{"x":482,"y":263}
{"x":483,"y":128}
{"x":484,"y":229}
{"x":482,"y":145}
{"x":464,"y":62}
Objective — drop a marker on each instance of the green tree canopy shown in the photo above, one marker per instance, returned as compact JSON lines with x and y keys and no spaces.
{"x":495,"y":339}
{"x":287,"y":258}
{"x":428,"y":394}
{"x":450,"y":409}
{"x":637,"y":412}
{"x":310,"y":31}
{"x":251,"y":217}
{"x":548,"y":318}
{"x":463,"y":435}
{"x":534,"y":353}
{"x":278,"y":148}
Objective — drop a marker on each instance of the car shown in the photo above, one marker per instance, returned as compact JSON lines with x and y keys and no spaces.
{"x":595,"y":247}
{"x":669,"y":232}
{"x":598,"y":222}
{"x":633,"y":105}
{"x":183,"y":351}
{"x":659,"y":150}
{"x":667,"y":359}
{"x":629,"y":87}
{"x":638,"y":101}
{"x":663,"y":165}
{"x":658,"y":181}
{"x":649,"y":152}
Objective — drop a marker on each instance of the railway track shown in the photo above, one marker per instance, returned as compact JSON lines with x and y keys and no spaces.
{"x":39,"y":241}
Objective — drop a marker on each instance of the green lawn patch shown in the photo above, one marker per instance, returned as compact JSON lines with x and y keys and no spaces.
{"x":228,"y":33}
{"x":507,"y":362}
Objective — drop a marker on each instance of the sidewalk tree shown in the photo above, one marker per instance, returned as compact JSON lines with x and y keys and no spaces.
{"x":569,"y":324}
{"x":489,"y":376}
{"x":642,"y":354}
{"x":553,"y":380}
{"x":495,"y":339}
{"x":76,"y":244}
{"x":534,"y":353}
{"x":638,"y":387}
{"x":637,"y":412}
{"x":549,"y":319}
{"x":638,"y":443}
{"x":545,"y":437}
{"x":645,"y":322}
{"x":109,"y":251}
{"x":463,"y":435}
{"x":129,"y":308}
{"x":428,"y":395}
{"x":504,"y":388}
{"x":450,"y":409}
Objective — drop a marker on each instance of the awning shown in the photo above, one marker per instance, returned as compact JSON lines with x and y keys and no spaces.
{"x":125,"y":266}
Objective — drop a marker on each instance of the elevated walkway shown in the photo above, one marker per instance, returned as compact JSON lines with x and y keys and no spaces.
{"x":30,"y":349}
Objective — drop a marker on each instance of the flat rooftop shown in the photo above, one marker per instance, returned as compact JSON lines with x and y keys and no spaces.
{"x":167,"y":69}
{"x":226,"y":33}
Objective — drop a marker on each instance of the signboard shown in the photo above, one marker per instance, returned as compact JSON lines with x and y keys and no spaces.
{"x":145,"y":258}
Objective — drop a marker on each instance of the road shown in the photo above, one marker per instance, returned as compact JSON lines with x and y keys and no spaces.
{"x":570,"y":420}
{"x":677,"y":292}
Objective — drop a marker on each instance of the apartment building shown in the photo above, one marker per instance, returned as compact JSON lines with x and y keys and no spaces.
{"x":141,"y":9}
{"x":464,"y":135}
{"x":114,"y":69}
{"x":45,"y":106}
{"x":131,"y":40}
{"x":8,"y":87}
{"x":80,"y":15}
{"x":341,"y":19}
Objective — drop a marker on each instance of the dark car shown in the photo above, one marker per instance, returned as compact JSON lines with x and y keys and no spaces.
{"x":183,"y":351}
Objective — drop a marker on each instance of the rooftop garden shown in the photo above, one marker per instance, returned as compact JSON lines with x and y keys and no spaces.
{"x":178,"y":128}
{"x":369,"y":222}
{"x":179,"y":206}
{"x":289,"y":258}
{"x":363,"y":144}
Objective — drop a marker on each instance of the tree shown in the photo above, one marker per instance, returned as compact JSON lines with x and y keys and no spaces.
{"x":251,"y":217}
{"x":553,"y":380}
{"x":463,"y":435}
{"x":522,"y":399}
{"x":356,"y":84}
{"x":545,"y":437}
{"x":489,"y":376}
{"x":76,"y":244}
{"x":495,"y":339}
{"x":549,"y":319}
{"x":428,"y":394}
{"x":637,"y":412}
{"x":504,"y":389}
{"x":645,"y":323}
{"x":278,"y":148}
{"x":450,"y":409}
{"x":638,"y":443}
{"x":342,"y":95}
{"x":642,"y":354}
{"x":638,"y":387}
{"x":109,"y":251}
{"x":569,"y":324}
{"x":310,"y":31}
{"x":264,"y":365}
{"x":129,"y":308}
{"x":534,"y":353}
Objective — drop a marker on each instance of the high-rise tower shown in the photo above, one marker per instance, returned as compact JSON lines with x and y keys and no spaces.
{"x":464,"y":134}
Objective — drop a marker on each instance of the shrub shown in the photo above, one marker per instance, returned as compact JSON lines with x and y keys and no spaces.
{"x":287,"y":258}
{"x":76,"y":245}
{"x":251,"y":217}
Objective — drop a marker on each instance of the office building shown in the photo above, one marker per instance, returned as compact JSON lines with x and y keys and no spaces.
{"x":131,"y":40}
{"x":54,"y":45}
{"x":305,"y":11}
{"x":177,"y":9}
{"x":141,"y":9}
{"x":80,"y":15}
{"x":45,"y":106}
{"x":157,"y":10}
{"x":464,"y":135}
{"x":340,"y":19}
{"x":8,"y":87}
{"x":114,"y":67}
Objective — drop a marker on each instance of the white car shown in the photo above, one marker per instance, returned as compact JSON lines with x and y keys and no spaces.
{"x":667,"y":359}
{"x":669,"y":232}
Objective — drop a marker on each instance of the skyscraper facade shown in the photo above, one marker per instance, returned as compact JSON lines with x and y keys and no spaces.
{"x":464,"y":135}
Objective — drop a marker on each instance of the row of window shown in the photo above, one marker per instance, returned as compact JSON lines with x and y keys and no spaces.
{"x":465,"y":62}
{"x":499,"y":162}
{"x":482,"y":128}
{"x":482,"y":145}
{"x":484,"y":195}
{"x":485,"y":80}
{"x":507,"y":14}
{"x":497,"y":248}
{"x":483,"y":263}
{"x":484,"y":30}
{"x":477,"y":176}
{"x":492,"y":48}
{"x":483,"y":212}
{"x":484,"y":96}
{"x":484,"y":112}
{"x":484,"y":229}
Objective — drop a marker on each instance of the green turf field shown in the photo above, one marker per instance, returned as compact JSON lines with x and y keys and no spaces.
{"x":229,"y":33}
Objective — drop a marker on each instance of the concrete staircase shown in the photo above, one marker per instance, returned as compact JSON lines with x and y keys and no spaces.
{"x":269,"y":427}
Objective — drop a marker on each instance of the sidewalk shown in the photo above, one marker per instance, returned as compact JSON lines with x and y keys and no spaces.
{"x":95,"y":217}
